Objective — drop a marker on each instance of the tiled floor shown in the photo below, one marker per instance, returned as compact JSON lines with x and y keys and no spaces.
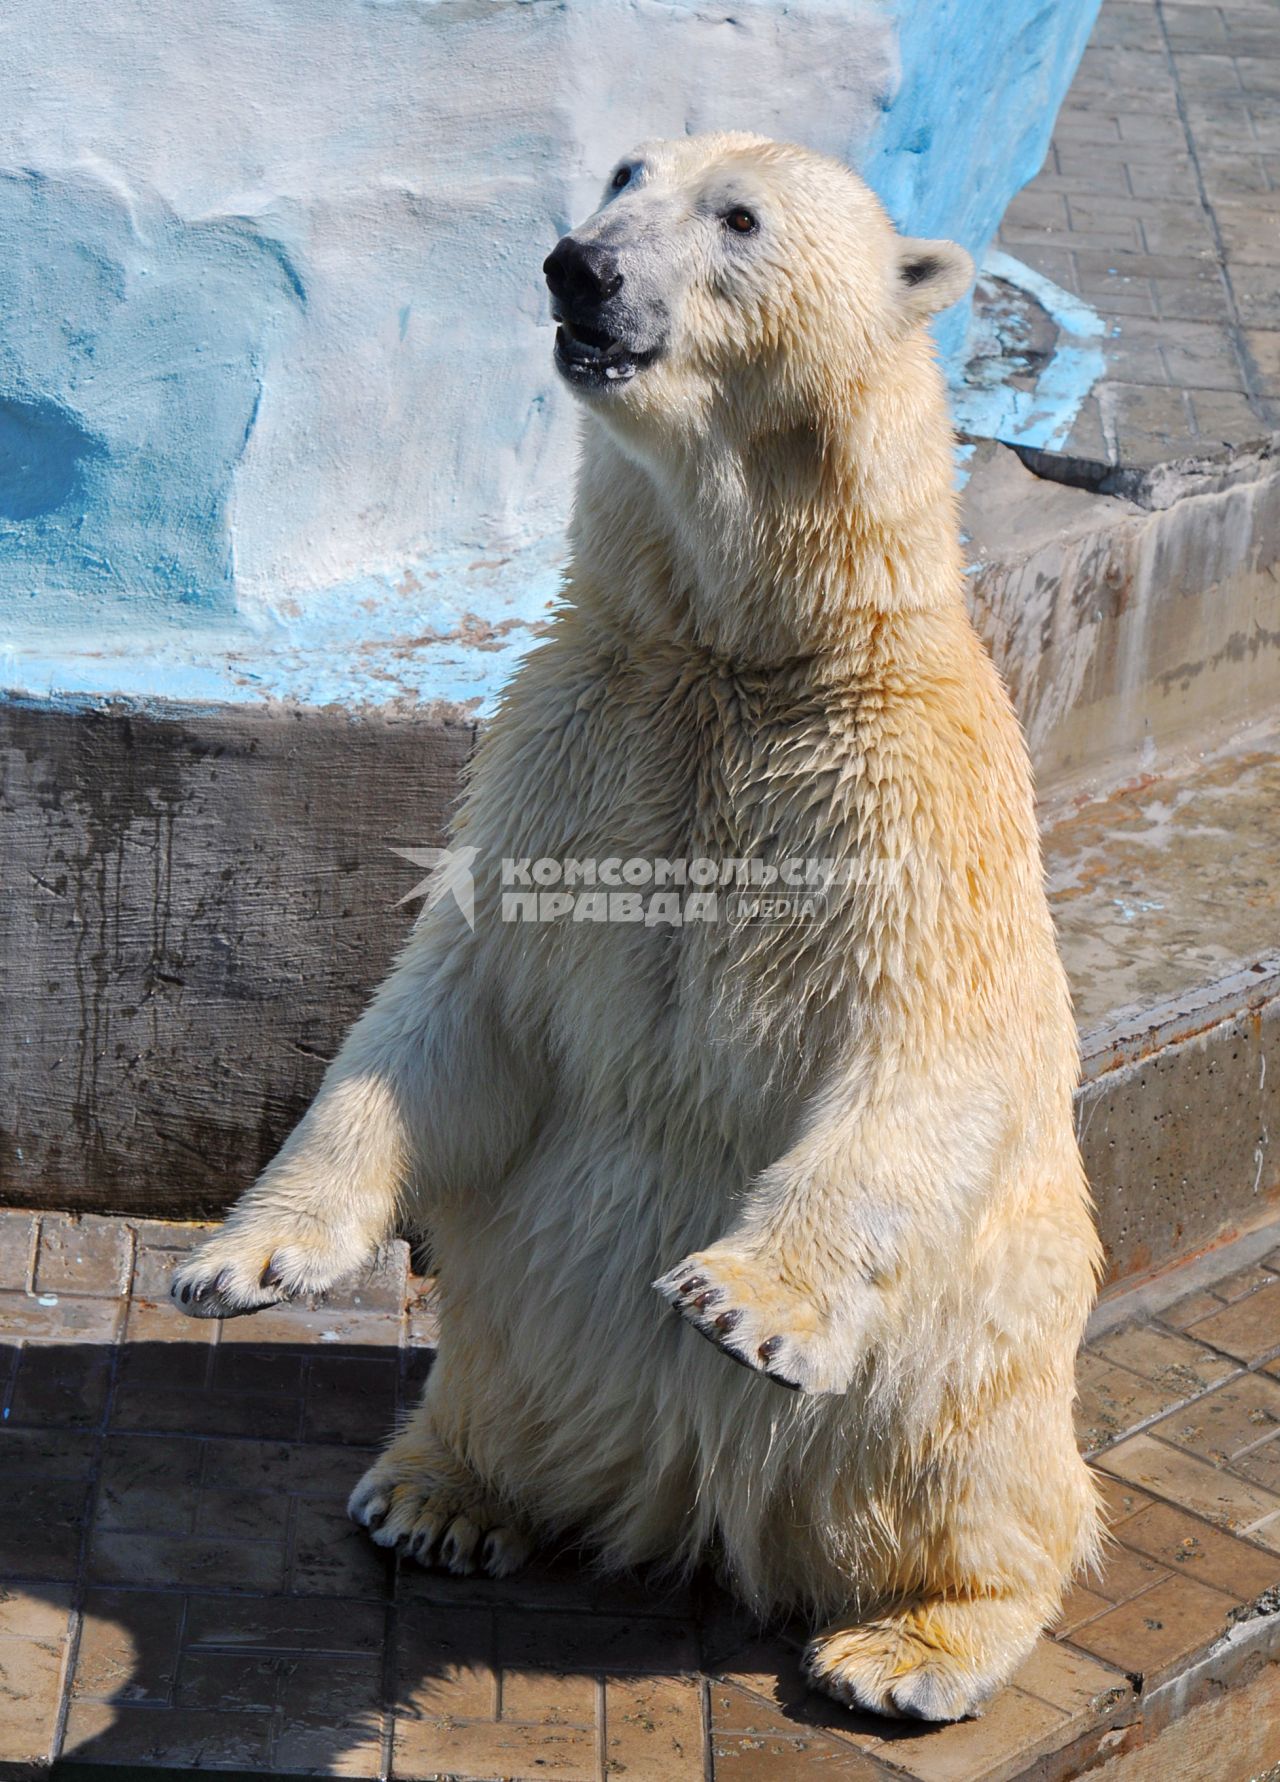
{"x":182,"y":1589}
{"x":1159,"y":204}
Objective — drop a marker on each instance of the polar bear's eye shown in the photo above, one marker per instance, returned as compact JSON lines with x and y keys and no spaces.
{"x":621,"y":178}
{"x":742,"y":222}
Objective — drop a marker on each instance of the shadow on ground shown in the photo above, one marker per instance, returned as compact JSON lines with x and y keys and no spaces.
{"x":173,"y":1541}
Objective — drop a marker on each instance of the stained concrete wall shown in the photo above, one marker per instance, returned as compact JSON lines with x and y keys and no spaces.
{"x":192,"y":911}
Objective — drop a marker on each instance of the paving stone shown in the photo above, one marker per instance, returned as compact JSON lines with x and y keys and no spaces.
{"x":350,"y":1398}
{"x":653,"y":1728}
{"x":159,"y":1246}
{"x":1261,"y":1464}
{"x":149,"y":1484}
{"x":30,"y":1685}
{"x":285,"y":1623}
{"x":1249,"y":1330}
{"x":1226,"y":415}
{"x":747,"y":1736}
{"x":754,"y":1757}
{"x":41,"y":1530}
{"x":767,"y":1670}
{"x":31,"y":1456}
{"x":1233,"y":1417}
{"x":17,"y":1250}
{"x":1250,"y":232}
{"x":1257,"y":292}
{"x":1112,"y":1401}
{"x":122,"y":1733}
{"x":59,"y":1318}
{"x":444,"y":1665}
{"x":130,"y":1644}
{"x":1172,"y":1362}
{"x":268,"y":1368}
{"x":239,"y":1681}
{"x":1190,"y":1310}
{"x":153,"y":1329}
{"x":56,"y":1385}
{"x":1068,"y":1680}
{"x":1013,"y":1726}
{"x":300,"y":1470}
{"x":1123,"y":1573}
{"x":143,"y":1404}
{"x":330,"y":1716}
{"x":89,"y":1255}
{"x":332,"y":1557}
{"x":1078,"y":1606}
{"x":1190,"y":1548}
{"x":1173,"y":1621}
{"x":194,"y":1560}
{"x":1245,"y":1280}
{"x":1264,"y":350}
{"x":1220,"y":1497}
{"x":483,"y":1749}
{"x":595,"y":1645}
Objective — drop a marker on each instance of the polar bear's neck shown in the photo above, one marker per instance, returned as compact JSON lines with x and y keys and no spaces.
{"x":783,"y":544}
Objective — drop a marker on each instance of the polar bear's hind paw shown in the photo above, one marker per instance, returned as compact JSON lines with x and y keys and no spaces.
{"x":438,"y":1524}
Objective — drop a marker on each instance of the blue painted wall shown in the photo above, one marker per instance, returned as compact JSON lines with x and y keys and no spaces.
{"x":969,"y":123}
{"x":132,"y":352}
{"x":277,"y":416}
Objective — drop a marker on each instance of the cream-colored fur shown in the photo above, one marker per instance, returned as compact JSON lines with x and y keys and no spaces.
{"x":844,"y":1148}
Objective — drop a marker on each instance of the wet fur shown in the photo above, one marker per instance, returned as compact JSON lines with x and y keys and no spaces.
{"x":858,"y":1131}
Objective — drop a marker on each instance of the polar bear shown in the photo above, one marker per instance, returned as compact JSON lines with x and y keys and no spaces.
{"x":839,"y":1145}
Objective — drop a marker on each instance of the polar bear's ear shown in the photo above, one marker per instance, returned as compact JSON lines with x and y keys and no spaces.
{"x":931,"y":274}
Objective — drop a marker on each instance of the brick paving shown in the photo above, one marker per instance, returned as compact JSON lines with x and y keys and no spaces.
{"x":179,"y":1586}
{"x":1159,"y":204}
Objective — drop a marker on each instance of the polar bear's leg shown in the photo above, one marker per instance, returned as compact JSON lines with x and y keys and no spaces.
{"x":425,"y":1101}
{"x":938,"y":1659}
{"x":794,"y":1289}
{"x":422,"y":1500}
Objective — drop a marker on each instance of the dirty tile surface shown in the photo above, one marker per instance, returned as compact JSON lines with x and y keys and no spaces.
{"x":180,"y":1587}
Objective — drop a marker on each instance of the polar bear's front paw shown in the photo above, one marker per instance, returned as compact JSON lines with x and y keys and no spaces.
{"x":756,"y":1318}
{"x":439,"y":1523}
{"x":936,"y":1661}
{"x":244,"y":1268}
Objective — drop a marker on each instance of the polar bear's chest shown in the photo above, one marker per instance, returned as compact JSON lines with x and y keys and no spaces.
{"x":686,"y":888}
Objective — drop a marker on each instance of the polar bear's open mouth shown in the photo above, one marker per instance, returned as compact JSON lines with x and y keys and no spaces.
{"x":595,"y":360}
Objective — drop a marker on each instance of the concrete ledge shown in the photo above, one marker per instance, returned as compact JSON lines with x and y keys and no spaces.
{"x":1175,"y":1132}
{"x":1128,"y":623}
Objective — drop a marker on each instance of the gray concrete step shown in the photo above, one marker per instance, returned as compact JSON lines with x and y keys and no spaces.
{"x":1167,"y":901}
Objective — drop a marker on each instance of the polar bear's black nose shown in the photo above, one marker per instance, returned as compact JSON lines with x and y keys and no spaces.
{"x":581,"y":273}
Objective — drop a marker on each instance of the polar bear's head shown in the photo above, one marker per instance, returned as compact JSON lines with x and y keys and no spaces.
{"x":730,"y":266}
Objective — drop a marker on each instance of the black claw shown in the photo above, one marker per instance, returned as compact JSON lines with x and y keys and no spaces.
{"x":693,"y":1283}
{"x":185,"y":1295}
{"x":711,"y":1297}
{"x":728,"y":1321}
{"x":769,"y":1348}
